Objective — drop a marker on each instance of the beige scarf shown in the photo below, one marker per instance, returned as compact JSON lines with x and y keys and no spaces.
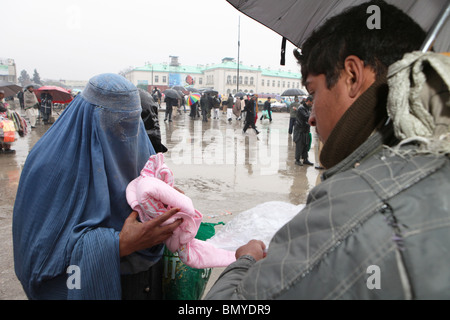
{"x":29,"y":99}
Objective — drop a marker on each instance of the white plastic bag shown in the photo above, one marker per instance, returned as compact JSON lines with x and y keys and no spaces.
{"x":259,"y":223}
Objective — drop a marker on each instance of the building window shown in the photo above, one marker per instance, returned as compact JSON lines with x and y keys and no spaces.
{"x":164,"y":79}
{"x":228,"y":79}
{"x":246,"y":80}
{"x":289,"y":84}
{"x":234,"y":79}
{"x":273,"y":83}
{"x":156,"y":79}
{"x":262,"y":82}
{"x":284,"y":84}
{"x":268,"y":83}
{"x":251,"y":81}
{"x":278,"y":83}
{"x":200,"y":80}
{"x":240,"y":79}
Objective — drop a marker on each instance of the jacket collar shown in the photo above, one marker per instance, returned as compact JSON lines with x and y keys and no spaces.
{"x":357,"y":124}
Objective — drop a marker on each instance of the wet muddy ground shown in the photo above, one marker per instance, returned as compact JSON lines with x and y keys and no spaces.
{"x":222,"y":170}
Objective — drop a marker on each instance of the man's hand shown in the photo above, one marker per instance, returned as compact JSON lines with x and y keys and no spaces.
{"x":255,"y":248}
{"x":136,"y":235}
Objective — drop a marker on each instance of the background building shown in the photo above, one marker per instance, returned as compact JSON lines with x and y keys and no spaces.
{"x":8,"y":70}
{"x":221,"y":77}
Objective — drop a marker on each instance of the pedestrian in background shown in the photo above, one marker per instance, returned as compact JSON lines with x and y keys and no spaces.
{"x":230,"y":105}
{"x":293,"y":114}
{"x":302,"y":136}
{"x":149,"y":116}
{"x":216,"y":106}
{"x":250,"y":115}
{"x":170,"y":103}
{"x":20,"y":97}
{"x":204,"y":105}
{"x":46,"y":107}
{"x":267,"y":110}
{"x":237,"y":107}
{"x":31,"y":105}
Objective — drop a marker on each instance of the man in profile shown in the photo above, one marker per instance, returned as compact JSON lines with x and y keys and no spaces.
{"x":377,"y":226}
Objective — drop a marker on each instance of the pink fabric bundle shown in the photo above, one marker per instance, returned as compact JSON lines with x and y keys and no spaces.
{"x":152,"y":193}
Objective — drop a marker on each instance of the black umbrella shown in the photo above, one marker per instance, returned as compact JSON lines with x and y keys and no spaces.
{"x":240,"y":94}
{"x":210,"y":91}
{"x":171,"y":93}
{"x":192,"y":89}
{"x":178,"y":88}
{"x":293,"y":92}
{"x":295,"y":20}
{"x":10,"y":88}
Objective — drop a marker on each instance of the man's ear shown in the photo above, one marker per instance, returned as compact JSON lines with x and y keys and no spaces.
{"x":355,"y":73}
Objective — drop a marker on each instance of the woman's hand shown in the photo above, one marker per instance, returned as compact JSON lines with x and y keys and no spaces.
{"x":136,"y":235}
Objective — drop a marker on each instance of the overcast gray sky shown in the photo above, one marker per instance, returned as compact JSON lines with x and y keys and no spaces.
{"x":78,"y":39}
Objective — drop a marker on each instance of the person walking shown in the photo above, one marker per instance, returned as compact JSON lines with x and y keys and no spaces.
{"x":216,"y":106}
{"x":302,"y":136}
{"x":250,"y":116}
{"x":230,"y":106}
{"x":46,"y":107}
{"x":31,"y":105}
{"x":237,"y":108}
{"x":170,"y":103}
{"x":317,"y":149}
{"x":194,"y":111}
{"x":293,"y":114}
{"x":242,"y":104}
{"x":20,"y":97}
{"x":268,"y":110}
{"x":204,"y":105}
{"x":255,"y":104}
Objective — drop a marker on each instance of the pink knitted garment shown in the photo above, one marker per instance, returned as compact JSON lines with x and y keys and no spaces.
{"x":152,"y":193}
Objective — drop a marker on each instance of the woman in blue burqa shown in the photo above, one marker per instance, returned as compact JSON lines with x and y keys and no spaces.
{"x":74,"y":234}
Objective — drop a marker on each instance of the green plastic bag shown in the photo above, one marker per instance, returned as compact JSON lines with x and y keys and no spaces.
{"x":181,"y":282}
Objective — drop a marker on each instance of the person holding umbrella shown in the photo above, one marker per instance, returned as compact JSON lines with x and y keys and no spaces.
{"x":31,"y":105}
{"x":376,"y":227}
{"x":46,"y":106}
{"x":302,"y":137}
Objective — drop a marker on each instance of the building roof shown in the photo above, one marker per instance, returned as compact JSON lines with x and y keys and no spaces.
{"x":159,"y":67}
{"x":227,"y":63}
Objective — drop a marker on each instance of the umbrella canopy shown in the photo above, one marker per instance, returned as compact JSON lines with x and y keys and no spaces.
{"x":171,"y":93}
{"x":192,"y":89}
{"x":240,"y":94}
{"x":210,"y":91}
{"x":9,"y":88}
{"x":60,"y":95}
{"x":178,"y":88}
{"x":193,"y":98}
{"x":295,"y":20}
{"x":293,"y":92}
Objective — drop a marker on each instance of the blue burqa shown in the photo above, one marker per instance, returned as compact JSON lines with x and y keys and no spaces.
{"x":71,"y":202}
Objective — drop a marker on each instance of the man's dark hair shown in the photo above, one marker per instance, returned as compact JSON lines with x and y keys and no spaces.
{"x":325,"y":51}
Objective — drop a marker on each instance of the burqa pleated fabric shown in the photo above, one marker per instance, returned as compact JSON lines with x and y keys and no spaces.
{"x":71,"y":202}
